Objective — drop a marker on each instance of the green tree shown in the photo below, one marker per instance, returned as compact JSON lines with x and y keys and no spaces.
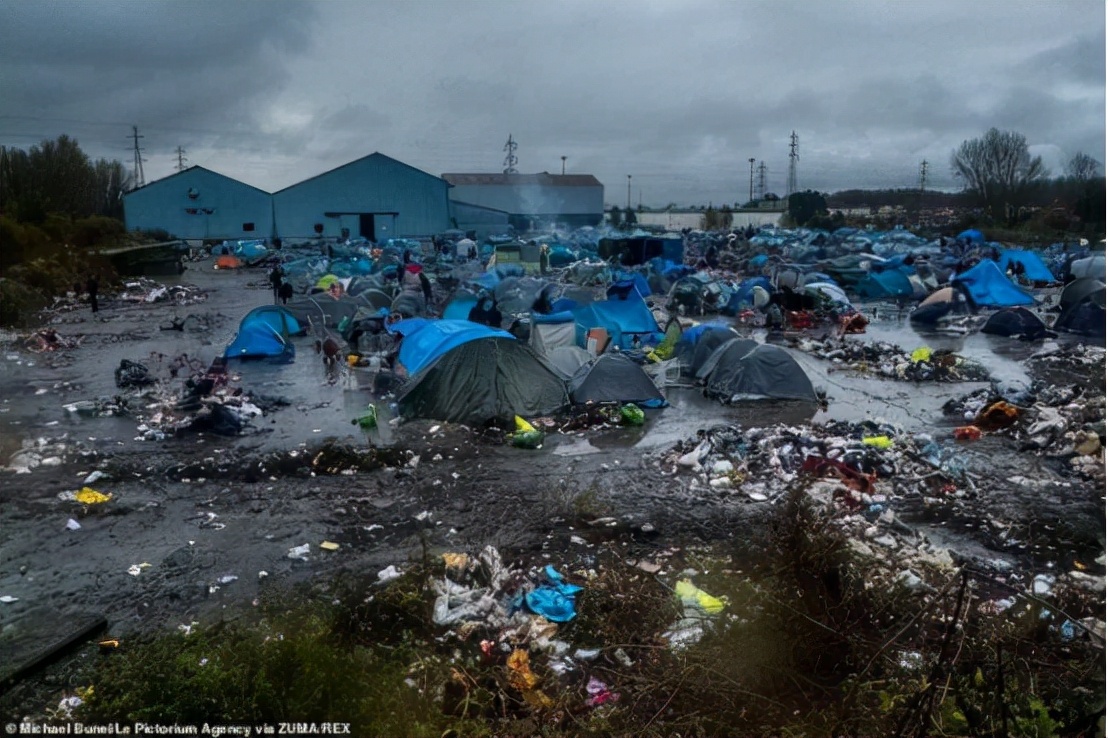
{"x":803,"y":206}
{"x":58,"y":177}
{"x":998,"y":169}
{"x":629,"y":217}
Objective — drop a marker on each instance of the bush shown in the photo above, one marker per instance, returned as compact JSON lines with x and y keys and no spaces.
{"x":18,"y":303}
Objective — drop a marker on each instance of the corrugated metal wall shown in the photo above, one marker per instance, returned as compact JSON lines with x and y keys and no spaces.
{"x":404,"y":201}
{"x":198,"y":203}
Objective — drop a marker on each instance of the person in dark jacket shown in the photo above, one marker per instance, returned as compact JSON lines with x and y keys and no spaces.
{"x":486,"y":312}
{"x":275,"y":275}
{"x":285,"y":292}
{"x":93,"y":287}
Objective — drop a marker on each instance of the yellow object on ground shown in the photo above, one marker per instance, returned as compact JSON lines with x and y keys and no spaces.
{"x":329,"y":546}
{"x":690,"y":594}
{"x":523,"y":426}
{"x":455,"y":561}
{"x":89,"y":496}
{"x":881,"y":442}
{"x":923,"y":353}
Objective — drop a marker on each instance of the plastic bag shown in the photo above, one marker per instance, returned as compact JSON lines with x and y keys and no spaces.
{"x":527,"y":439}
{"x":632,"y":414}
{"x":89,"y":496}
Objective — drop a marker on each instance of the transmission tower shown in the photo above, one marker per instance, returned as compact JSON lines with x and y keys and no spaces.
{"x":923,"y":175}
{"x":794,"y":157}
{"x":140,"y":178}
{"x":181,"y":159}
{"x":510,"y":160}
{"x":761,"y":180}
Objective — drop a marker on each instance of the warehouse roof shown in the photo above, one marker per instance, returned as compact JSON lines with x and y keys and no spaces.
{"x":542,"y":178}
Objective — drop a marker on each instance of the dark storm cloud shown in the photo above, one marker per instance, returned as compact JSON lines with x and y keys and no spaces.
{"x":182,"y":72}
{"x":678,"y":94}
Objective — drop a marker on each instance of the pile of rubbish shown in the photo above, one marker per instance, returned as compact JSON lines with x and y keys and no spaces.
{"x":48,"y":339}
{"x":890,"y":361}
{"x":47,"y":453}
{"x":145,"y":290}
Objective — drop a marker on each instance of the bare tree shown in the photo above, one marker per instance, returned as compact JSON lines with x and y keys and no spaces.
{"x":998,"y":168}
{"x":1081,"y":167}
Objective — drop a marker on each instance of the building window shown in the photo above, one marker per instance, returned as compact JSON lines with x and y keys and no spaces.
{"x":247,"y":227}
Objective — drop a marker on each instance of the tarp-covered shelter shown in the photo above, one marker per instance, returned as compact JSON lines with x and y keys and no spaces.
{"x":566,"y":360}
{"x":742,"y":369}
{"x":265,"y":332}
{"x":623,"y":319}
{"x":426,"y":340}
{"x":614,"y":377}
{"x":973,"y":235}
{"x":943,"y":302}
{"x":1083,"y":312}
{"x":1030,"y":264}
{"x":890,"y":283}
{"x":1091,"y":266}
{"x":1017,"y":322}
{"x":492,"y":377}
{"x":549,"y":332}
{"x":985,"y":284}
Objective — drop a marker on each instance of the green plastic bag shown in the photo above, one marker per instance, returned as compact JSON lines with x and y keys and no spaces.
{"x":369,"y":419}
{"x":632,"y":414}
{"x":527,"y":439}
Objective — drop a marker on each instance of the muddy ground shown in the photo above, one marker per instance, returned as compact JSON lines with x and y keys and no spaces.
{"x":214,"y":518}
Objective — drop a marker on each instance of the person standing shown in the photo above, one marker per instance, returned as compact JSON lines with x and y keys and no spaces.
{"x":275,"y":281}
{"x":93,"y":287}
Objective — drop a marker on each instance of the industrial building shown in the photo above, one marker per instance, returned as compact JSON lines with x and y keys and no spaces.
{"x":530,"y":200}
{"x":375,"y":197}
{"x":197,"y":203}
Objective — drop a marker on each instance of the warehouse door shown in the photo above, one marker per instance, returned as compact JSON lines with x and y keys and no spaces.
{"x":366,"y":226}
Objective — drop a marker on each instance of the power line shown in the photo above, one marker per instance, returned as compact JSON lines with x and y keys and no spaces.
{"x":510,"y":160}
{"x":181,"y":159}
{"x":139,"y":177}
{"x":794,"y":157}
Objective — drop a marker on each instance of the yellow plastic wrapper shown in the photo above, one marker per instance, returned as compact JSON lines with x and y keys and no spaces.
{"x":881,"y":442}
{"x":690,"y":594}
{"x":89,"y":496}
{"x":522,"y":426}
{"x":456,"y":562}
{"x":329,"y":546}
{"x":520,"y":675}
{"x":923,"y":353}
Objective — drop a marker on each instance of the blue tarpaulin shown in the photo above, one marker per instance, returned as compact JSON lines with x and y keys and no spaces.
{"x":889,"y":283}
{"x":621,"y":318}
{"x":973,"y":235}
{"x":987,"y":285}
{"x":1033,"y":267}
{"x":426,"y":340}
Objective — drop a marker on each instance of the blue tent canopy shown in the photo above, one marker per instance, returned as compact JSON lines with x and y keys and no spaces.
{"x":889,"y":283}
{"x":264,"y":333}
{"x":459,"y":307}
{"x":744,"y":294}
{"x":621,"y":318}
{"x":624,"y":282}
{"x":426,"y":340}
{"x":973,"y":235}
{"x":1033,"y":267}
{"x":987,"y":285}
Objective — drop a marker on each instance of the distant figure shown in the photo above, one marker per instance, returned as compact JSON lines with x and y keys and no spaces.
{"x":544,"y":258}
{"x":486,"y":312}
{"x":285,"y":292}
{"x":275,"y":275}
{"x":92,"y":287}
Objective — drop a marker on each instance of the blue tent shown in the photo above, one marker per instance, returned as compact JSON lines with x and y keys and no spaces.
{"x":264,"y":334}
{"x":426,"y":340}
{"x":744,"y":294}
{"x":1033,"y":267}
{"x":459,"y":307}
{"x":972,"y":234}
{"x":889,"y":283}
{"x":626,"y":282}
{"x":621,"y":318}
{"x":987,"y":285}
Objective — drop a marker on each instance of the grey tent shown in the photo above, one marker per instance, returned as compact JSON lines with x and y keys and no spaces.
{"x":1082,"y":303}
{"x":482,"y":380}
{"x":736,"y":371}
{"x":1017,"y":322}
{"x":322,"y":310}
{"x":566,"y":360}
{"x":694,"y":347}
{"x":613,"y":377}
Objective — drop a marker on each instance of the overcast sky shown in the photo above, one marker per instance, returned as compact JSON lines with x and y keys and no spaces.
{"x":679,"y":94}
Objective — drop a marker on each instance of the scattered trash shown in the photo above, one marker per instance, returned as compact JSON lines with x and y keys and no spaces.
{"x":632,"y":414}
{"x":599,"y":693}
{"x":300,"y":552}
{"x":329,"y":546}
{"x":389,"y":573}
{"x":554,"y":600}
{"x":89,"y":496}
{"x":72,"y":524}
{"x":967,"y":433}
{"x":136,"y":569}
{"x":8,"y":599}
